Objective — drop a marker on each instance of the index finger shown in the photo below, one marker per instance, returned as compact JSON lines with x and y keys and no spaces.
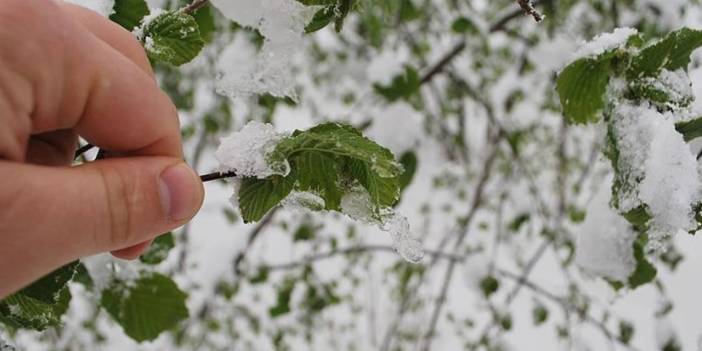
{"x":80,"y":82}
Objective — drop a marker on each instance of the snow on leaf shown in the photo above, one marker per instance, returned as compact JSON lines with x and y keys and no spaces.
{"x":247,"y":151}
{"x":672,"y":53}
{"x":604,"y":241}
{"x":172,"y":37}
{"x":605,"y":42}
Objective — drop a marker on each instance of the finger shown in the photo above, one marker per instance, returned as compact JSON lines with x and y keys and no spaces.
{"x":132,"y":252}
{"x":52,"y":215}
{"x":55,"y":148}
{"x":112,"y":34}
{"x":77,"y":80}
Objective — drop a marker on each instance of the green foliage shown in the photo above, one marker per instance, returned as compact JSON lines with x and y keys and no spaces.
{"x":402,"y":86}
{"x":129,"y":13}
{"x":282,"y":305}
{"x":258,"y":196}
{"x":172,"y":37}
{"x":539,"y":314}
{"x":585,"y":97}
{"x":408,"y":160}
{"x":41,"y":304}
{"x":671,"y":53}
{"x":626,"y":332}
{"x":644,"y":272}
{"x":581,"y":87}
{"x":146,"y":307}
{"x":333,"y":11}
{"x":489,"y":285}
{"x":326,"y":160}
{"x":159,"y":250}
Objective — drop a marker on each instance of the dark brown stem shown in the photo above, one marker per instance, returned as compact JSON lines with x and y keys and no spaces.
{"x":529,"y":9}
{"x":194,"y":6}
{"x":83,"y":149}
{"x":216,"y":176}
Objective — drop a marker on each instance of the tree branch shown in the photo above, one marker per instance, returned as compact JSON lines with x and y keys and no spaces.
{"x":448,"y":275}
{"x":216,"y":176}
{"x":194,"y":6}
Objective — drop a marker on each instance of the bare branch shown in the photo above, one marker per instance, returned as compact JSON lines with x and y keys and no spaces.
{"x":194,"y":6}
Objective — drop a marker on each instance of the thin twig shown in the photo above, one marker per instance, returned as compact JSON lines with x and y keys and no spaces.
{"x":83,"y":149}
{"x":448,"y":275}
{"x":253,"y":235}
{"x":354,"y":250}
{"x":216,"y":176}
{"x":194,"y":6}
{"x":529,"y":9}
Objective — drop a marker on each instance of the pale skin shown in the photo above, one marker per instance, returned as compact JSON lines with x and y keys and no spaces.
{"x":67,"y":72}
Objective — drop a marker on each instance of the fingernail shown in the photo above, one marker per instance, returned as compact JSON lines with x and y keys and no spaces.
{"x":180,"y":196}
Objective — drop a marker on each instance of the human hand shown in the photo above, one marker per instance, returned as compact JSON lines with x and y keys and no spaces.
{"x":67,"y":72}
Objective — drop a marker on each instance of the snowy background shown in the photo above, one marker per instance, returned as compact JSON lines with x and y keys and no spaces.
{"x":500,"y":189}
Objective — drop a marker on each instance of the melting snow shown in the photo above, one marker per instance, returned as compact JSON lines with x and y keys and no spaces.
{"x":282,"y":23}
{"x":245,"y":152}
{"x":605,"y":42}
{"x":653,"y":153}
{"x":604,"y":242}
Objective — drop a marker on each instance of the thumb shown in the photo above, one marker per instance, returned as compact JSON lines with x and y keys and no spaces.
{"x":51,"y":215}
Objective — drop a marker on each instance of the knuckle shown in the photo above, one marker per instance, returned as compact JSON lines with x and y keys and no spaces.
{"x":119,"y":206}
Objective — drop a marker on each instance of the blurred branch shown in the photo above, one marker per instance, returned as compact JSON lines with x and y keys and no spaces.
{"x":563,"y":302}
{"x":355,"y":250}
{"x":194,"y":6}
{"x":253,"y":235}
{"x":529,"y":9}
{"x":448,"y":275}
{"x":447,"y":58}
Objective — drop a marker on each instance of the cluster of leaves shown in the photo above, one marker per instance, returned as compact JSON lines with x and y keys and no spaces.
{"x":584,"y":85}
{"x":144,"y":307}
{"x":328,"y":160}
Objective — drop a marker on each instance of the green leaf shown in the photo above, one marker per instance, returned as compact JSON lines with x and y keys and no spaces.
{"x":318,"y":172}
{"x":342,"y":141}
{"x":159,"y":249}
{"x":258,"y":196}
{"x":408,"y":160}
{"x":332,"y":11}
{"x":172,"y":37}
{"x":147,"y":307}
{"x":384,"y":192}
{"x":691,"y":129}
{"x":581,"y":87}
{"x":489,"y":285}
{"x":48,"y":289}
{"x":325,"y":160}
{"x":321,"y":19}
{"x":282,"y":305}
{"x":22,"y":311}
{"x":41,"y":304}
{"x":626,"y":332}
{"x":129,"y":13}
{"x":645,"y":272}
{"x":402,"y":86}
{"x":671,"y":52}
{"x":539,"y":314}
{"x":464,"y":25}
